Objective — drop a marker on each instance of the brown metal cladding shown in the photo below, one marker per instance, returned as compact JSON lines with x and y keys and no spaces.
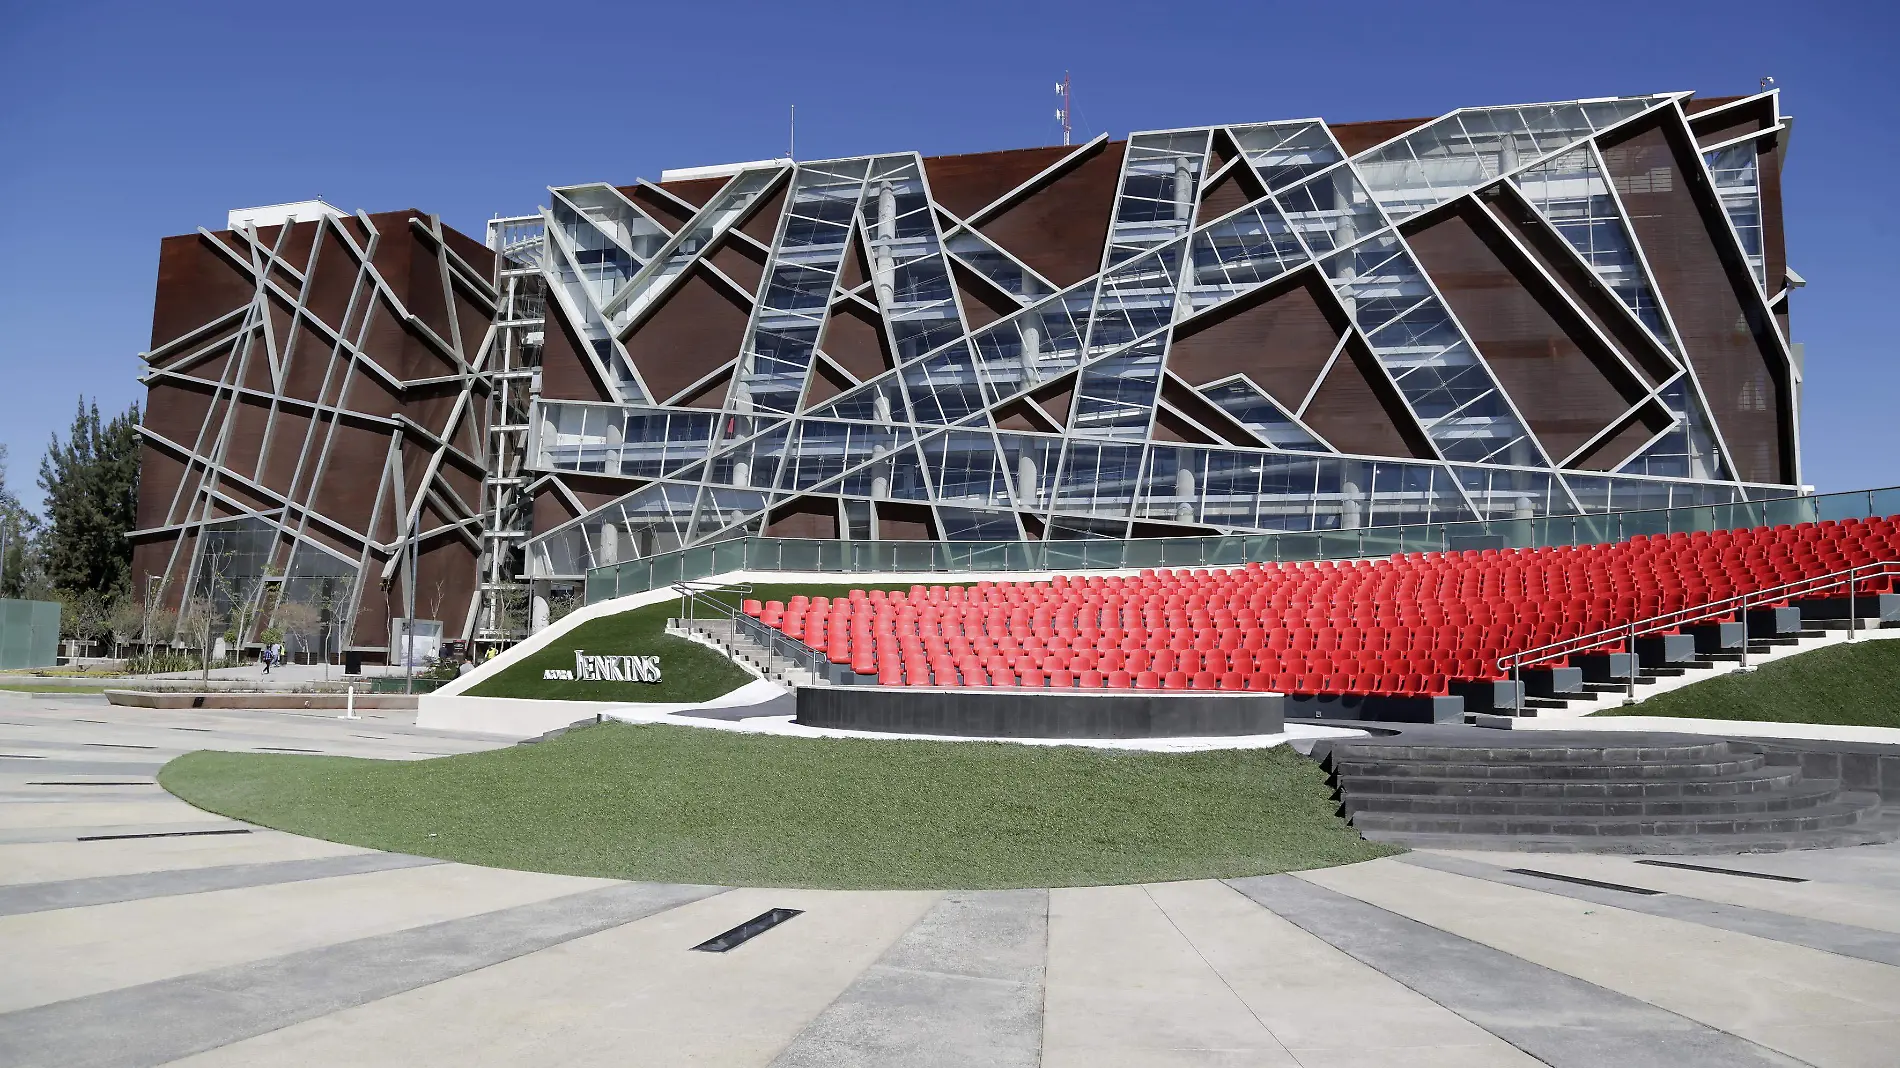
{"x":1238,"y":187}
{"x":740,"y":262}
{"x":964,"y":184}
{"x":1728,"y":335}
{"x":804,"y":517}
{"x":1639,"y":427}
{"x":983,"y":303}
{"x":855,"y":337}
{"x":1581,"y":284}
{"x":1356,"y":137}
{"x":196,"y":284}
{"x":333,"y":280}
{"x":662,"y":209}
{"x":566,"y":371}
{"x":696,"y":191}
{"x":696,"y":328}
{"x":551,"y":508}
{"x":761,"y":224}
{"x":1729,"y":123}
{"x":905,"y":522}
{"x":1568,"y":385}
{"x":712,"y":395}
{"x":1358,"y":409}
{"x":1280,"y":336}
{"x":1061,"y":228}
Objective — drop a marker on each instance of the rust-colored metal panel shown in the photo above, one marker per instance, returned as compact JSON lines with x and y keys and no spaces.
{"x":824,"y":384}
{"x":696,"y":191}
{"x":1567,"y":384}
{"x":856,"y":269}
{"x":1356,"y":137}
{"x":176,"y":410}
{"x":983,"y":303}
{"x":1708,"y":288}
{"x":1358,"y":409}
{"x":196,"y":284}
{"x":1774,"y":240}
{"x":551,"y":508}
{"x":1238,"y":187}
{"x":964,"y":184}
{"x":1207,"y":414}
{"x":663,"y":209}
{"x":905,"y":522}
{"x":855,"y":337}
{"x":741,"y":262}
{"x":712,"y":395}
{"x":1061,"y":228}
{"x":1600,"y":306}
{"x":1641,"y":425}
{"x":1056,"y":399}
{"x":699,"y":326}
{"x":1279,"y":335}
{"x":803,"y":517}
{"x":761,"y":224}
{"x":566,"y":371}
{"x":333,"y":280}
{"x":1730,"y":123}
{"x":161,"y":471}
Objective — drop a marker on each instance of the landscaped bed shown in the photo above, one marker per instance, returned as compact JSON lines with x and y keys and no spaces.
{"x":686,"y":804}
{"x":688,"y":671}
{"x":1856,"y":684}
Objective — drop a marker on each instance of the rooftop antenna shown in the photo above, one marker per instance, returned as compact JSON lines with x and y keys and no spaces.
{"x":791,"y":147}
{"x":1766,"y":82}
{"x":1062,"y":113}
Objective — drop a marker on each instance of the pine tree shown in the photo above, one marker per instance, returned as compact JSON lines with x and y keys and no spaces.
{"x":91,"y":486}
{"x":17,"y":529}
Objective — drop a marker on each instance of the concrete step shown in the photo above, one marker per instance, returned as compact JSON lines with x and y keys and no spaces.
{"x":1845,"y":810}
{"x":1760,"y":780}
{"x":1347,"y":769}
{"x":1797,"y":797}
{"x":1536,"y":754}
{"x":1873,"y":829}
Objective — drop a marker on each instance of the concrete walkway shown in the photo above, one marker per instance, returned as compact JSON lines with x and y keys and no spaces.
{"x":140,"y":931}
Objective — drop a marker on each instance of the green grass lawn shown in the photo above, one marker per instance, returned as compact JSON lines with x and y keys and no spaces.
{"x":688,"y":671}
{"x":1855,"y":685}
{"x":694,"y":805}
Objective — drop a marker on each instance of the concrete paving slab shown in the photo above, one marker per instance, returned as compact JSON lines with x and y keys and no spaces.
{"x":104,"y":890}
{"x":214,"y":827}
{"x":1562,"y":1020}
{"x":53,"y":956}
{"x":635,"y":994}
{"x":50,"y":861}
{"x":1736,"y":983}
{"x":1860,"y":912}
{"x":1323,"y":1005}
{"x":161,"y":809}
{"x":962,"y":987}
{"x":1125,"y":988}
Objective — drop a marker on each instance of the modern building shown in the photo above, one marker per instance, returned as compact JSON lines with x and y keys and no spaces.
{"x":1501,"y":312}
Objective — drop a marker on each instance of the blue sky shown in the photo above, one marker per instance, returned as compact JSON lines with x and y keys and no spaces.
{"x":122,"y":123}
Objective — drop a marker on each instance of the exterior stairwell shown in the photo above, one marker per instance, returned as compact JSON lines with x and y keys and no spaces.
{"x":1601,"y":794}
{"x":744,"y":648}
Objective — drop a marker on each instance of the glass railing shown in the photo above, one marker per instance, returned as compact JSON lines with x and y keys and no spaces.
{"x":873,"y":557}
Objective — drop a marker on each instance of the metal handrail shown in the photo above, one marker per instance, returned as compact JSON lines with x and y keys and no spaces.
{"x":693,"y":595}
{"x":1737,"y":603}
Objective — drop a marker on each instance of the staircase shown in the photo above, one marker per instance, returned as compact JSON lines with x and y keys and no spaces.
{"x":726,"y":635}
{"x":1597,"y":794}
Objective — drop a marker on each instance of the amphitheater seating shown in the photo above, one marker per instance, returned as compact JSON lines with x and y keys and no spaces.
{"x":1407,"y":625}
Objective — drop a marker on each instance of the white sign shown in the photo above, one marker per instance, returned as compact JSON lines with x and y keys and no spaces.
{"x":590,"y":668}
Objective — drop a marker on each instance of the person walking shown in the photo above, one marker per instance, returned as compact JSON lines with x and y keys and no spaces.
{"x":266,"y":657}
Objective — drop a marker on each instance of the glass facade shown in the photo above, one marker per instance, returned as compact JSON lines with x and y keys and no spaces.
{"x":1002,"y":405}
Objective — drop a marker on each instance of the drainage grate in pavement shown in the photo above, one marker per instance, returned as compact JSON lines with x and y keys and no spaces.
{"x":747,"y":931}
{"x":158,"y":834}
{"x":1580,"y":881}
{"x":1721,"y":871}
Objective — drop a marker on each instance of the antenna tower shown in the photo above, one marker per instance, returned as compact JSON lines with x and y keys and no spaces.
{"x":1062,"y":113}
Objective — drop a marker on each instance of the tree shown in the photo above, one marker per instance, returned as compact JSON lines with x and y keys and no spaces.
{"x":125,"y":619}
{"x":300,"y":623}
{"x":201,"y":622}
{"x":91,"y":482}
{"x":18,"y":529}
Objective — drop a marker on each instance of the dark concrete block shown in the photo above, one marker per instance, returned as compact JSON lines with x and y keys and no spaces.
{"x":1783,"y":622}
{"x":1717,"y":637}
{"x":1041,"y":713}
{"x":1408,"y":709}
{"x":1606,"y":667}
{"x":1498,"y":696}
{"x":1884,"y":607}
{"x":1553,"y":682}
{"x":1664,"y":650}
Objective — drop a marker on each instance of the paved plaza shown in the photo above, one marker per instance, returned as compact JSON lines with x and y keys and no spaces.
{"x":139,"y":931}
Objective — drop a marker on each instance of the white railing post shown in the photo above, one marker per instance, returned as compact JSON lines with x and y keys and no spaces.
{"x":1629,"y":687}
{"x":1745,"y":634}
{"x":349,"y":703}
{"x":1853,"y":621}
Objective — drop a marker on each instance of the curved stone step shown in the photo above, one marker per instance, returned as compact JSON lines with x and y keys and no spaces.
{"x":1347,"y":769}
{"x":1847,"y":809}
{"x":1797,"y":797}
{"x":1689,"y":753}
{"x":1873,"y":829}
{"x":1757,"y":780}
